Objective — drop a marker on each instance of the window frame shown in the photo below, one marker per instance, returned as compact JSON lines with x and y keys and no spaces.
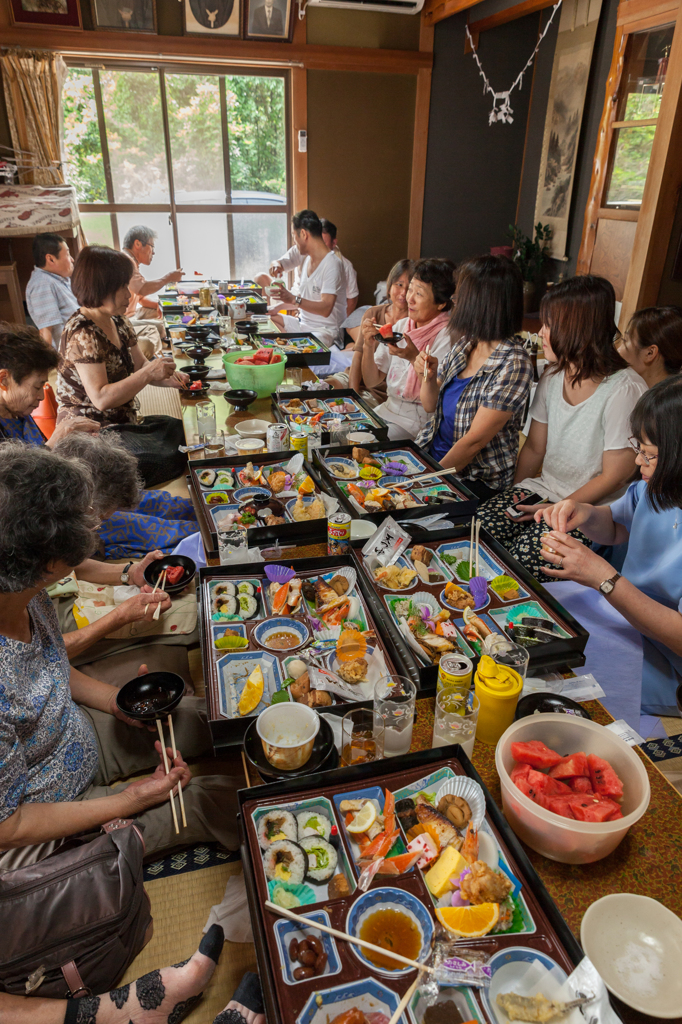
{"x":172,"y":208}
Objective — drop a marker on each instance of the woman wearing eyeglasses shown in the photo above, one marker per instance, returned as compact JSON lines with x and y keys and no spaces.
{"x":577,"y":446}
{"x":649,"y":515}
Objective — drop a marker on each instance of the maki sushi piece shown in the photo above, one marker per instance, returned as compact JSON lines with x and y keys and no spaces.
{"x":276,"y":826}
{"x":311,"y":823}
{"x":248,"y":606}
{"x":285,"y":861}
{"x":224,"y":590}
{"x":207,"y":477}
{"x":322,"y":859}
{"x":225,"y":605}
{"x":223,"y":478}
{"x":246,"y":588}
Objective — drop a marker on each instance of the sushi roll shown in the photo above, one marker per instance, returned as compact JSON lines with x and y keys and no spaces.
{"x":246,"y":588}
{"x":248,"y":606}
{"x":310,"y":823}
{"x":225,"y":590}
{"x":276,"y":826}
{"x":207,"y":477}
{"x":322,"y":859}
{"x":285,"y":861}
{"x":224,"y":479}
{"x":225,"y":605}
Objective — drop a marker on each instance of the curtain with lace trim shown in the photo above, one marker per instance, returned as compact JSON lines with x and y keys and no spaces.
{"x":33,"y":86}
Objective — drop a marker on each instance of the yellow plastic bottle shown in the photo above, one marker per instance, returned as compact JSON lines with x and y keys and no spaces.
{"x":498,"y":688}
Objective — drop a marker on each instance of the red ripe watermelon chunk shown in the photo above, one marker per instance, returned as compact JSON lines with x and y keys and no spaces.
{"x":560,"y":805}
{"x":519,"y":771}
{"x":601,"y":810}
{"x":386,"y":331}
{"x":605,"y":782}
{"x":536,"y":754}
{"x":569,"y":767}
{"x":615,"y":815}
{"x":544,"y":784}
{"x":581,"y":785}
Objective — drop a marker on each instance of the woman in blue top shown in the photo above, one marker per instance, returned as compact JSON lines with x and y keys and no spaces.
{"x":649,"y":591}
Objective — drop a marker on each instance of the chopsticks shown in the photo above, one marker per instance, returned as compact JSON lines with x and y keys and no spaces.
{"x":426,"y":365}
{"x":405,"y":1000}
{"x":157,"y":610}
{"x":478,"y":545}
{"x":347,"y":938}
{"x":175,"y":754}
{"x":423,"y":476}
{"x":161,"y":576}
{"x":167,"y":769}
{"x":475,"y":546}
{"x":471,"y":549}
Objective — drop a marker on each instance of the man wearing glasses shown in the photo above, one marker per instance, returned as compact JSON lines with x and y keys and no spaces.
{"x":145,"y":313}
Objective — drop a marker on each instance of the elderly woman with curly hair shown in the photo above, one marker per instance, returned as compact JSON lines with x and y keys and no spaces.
{"x":63,"y":740}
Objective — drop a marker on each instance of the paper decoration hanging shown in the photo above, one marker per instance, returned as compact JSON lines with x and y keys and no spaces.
{"x":502,"y":110}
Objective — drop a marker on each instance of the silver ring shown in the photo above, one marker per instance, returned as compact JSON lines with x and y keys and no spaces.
{"x":560,"y":563}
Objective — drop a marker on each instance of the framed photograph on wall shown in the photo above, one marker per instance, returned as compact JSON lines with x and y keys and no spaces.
{"x":269,"y":19}
{"x":55,"y":13}
{"x":211,"y":17}
{"x":125,"y":15}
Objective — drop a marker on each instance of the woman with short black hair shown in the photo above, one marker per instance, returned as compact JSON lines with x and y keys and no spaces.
{"x":479,"y":395}
{"x":429,"y":300}
{"x":652,"y":343}
{"x":649,"y":591}
{"x":103,"y":368}
{"x":577,"y":446}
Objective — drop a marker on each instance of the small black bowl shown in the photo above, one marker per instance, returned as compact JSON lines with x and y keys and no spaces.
{"x":197,"y":372}
{"x":549,"y":703}
{"x":205,"y":311}
{"x":199,"y":352}
{"x":240,"y":398}
{"x":391,"y":341}
{"x":197,"y":392}
{"x":324,"y":757}
{"x":155,"y":568}
{"x":246,"y":327}
{"x":161,"y":692}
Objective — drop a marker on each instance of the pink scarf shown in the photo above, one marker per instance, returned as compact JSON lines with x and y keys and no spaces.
{"x":421,"y":337}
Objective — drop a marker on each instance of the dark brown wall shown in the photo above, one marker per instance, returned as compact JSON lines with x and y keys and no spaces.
{"x":360,"y":163}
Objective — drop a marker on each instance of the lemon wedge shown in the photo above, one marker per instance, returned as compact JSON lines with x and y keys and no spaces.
{"x":252,"y":693}
{"x":364,"y":819}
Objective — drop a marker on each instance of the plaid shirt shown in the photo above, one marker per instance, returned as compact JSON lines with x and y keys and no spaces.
{"x":502,"y":383}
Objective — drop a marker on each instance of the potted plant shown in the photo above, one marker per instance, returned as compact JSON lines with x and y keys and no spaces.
{"x":530,"y":257}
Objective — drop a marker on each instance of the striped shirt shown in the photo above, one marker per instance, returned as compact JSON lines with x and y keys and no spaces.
{"x":503,"y":384}
{"x":50,"y":301}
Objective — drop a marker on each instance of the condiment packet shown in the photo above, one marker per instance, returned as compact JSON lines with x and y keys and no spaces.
{"x":583,"y":688}
{"x":626,"y":732}
{"x":457,"y":965}
{"x":388,"y":543}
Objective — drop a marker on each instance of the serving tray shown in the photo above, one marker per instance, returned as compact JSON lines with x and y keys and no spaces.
{"x":366,"y":418}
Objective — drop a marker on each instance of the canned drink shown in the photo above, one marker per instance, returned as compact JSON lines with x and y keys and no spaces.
{"x":299,"y":443}
{"x":338,"y":534}
{"x":278,"y":437}
{"x":455,"y":670}
{"x":205,"y":296}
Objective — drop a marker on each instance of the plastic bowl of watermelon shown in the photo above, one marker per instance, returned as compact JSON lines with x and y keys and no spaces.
{"x":254,"y":371}
{"x":598,"y":786}
{"x":180,"y":572}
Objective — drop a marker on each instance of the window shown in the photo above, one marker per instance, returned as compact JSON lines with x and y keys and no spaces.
{"x":200,"y":158}
{"x":646,"y":64}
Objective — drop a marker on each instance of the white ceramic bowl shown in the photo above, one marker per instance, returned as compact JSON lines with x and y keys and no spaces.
{"x":563,"y":839}
{"x":635,"y":943}
{"x":360,"y":530}
{"x":252,"y":428}
{"x":287,"y":732}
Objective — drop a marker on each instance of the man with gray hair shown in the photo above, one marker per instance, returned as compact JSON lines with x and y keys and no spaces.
{"x":138,"y":244}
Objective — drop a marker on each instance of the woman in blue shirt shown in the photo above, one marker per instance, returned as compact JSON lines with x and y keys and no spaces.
{"x":649,"y":516}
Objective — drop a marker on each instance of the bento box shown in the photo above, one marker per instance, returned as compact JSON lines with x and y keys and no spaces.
{"x":302,"y":348}
{"x":306,"y":411}
{"x":512,"y":596}
{"x":384,"y":478}
{"x":257,"y":617}
{"x":291,"y":830}
{"x":220,"y":487}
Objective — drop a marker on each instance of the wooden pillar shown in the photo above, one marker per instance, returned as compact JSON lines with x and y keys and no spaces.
{"x":419,"y":145}
{"x":299,"y":122}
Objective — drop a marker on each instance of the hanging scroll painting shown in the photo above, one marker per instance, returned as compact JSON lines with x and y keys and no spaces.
{"x":570,"y":74}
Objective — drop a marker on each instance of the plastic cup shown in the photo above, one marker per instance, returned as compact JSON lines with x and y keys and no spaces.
{"x":394,"y":704}
{"x":456,"y":719}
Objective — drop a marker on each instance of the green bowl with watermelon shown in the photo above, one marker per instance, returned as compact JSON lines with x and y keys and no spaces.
{"x":571,"y":789}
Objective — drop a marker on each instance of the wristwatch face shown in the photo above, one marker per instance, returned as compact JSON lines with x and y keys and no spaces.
{"x":606,"y":587}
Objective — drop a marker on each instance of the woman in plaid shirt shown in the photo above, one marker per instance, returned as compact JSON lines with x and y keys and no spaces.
{"x":479,"y":398}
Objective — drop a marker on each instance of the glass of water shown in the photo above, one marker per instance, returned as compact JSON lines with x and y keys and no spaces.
{"x":455,"y":719}
{"x":394,"y":705}
{"x":232,"y":545}
{"x":206,"y":423}
{"x":513,"y":656}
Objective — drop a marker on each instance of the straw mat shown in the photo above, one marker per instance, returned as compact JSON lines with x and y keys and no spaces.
{"x":160,"y":402}
{"x":180,"y":907}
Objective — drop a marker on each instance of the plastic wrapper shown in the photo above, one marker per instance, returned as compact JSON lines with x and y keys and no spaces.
{"x":386,"y":545}
{"x":459,"y":965}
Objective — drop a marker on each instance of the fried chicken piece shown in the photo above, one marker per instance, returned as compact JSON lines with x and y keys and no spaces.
{"x":420,"y":553}
{"x":353,"y":671}
{"x":483,"y":885}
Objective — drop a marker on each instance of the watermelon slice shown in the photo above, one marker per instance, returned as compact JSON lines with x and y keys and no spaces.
{"x":545,"y":784}
{"x":581,"y":785}
{"x":568,"y":767}
{"x":601,"y":810}
{"x":616,"y":815}
{"x":519,"y":771}
{"x":605,"y":782}
{"x":536,"y":754}
{"x":174,"y":574}
{"x":386,"y":331}
{"x":560,"y":805}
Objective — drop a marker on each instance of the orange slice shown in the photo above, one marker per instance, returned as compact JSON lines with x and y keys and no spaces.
{"x":469,"y":922}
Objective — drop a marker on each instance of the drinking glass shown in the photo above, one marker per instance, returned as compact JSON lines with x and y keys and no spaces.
{"x":455,"y":719}
{"x":206,"y":423}
{"x":394,"y":703}
{"x":295,"y":375}
{"x":226,"y":330}
{"x":232,"y":545}
{"x":214,"y":446}
{"x":362,"y":739}
{"x":513,"y":656}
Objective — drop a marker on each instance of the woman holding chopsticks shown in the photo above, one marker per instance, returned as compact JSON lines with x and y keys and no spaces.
{"x":477,"y":396}
{"x":103,"y":369}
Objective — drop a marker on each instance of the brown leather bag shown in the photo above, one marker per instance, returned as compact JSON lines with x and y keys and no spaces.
{"x":72,"y":923}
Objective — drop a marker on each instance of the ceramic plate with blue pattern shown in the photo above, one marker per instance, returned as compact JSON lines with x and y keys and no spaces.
{"x":459,"y":551}
{"x":264,"y":633}
{"x":218,"y":631}
{"x":507,"y":966}
{"x":398,"y":900}
{"x":234,"y":670}
{"x":377,"y":797}
{"x":285,"y":931}
{"x":412,"y":464}
{"x":367,"y":994}
{"x":514,"y":614}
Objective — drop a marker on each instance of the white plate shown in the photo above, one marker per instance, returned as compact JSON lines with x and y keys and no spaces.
{"x":252,"y":428}
{"x":635,"y":943}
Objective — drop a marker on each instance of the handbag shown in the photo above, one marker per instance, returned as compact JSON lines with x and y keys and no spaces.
{"x":74,"y":921}
{"x":154,"y":443}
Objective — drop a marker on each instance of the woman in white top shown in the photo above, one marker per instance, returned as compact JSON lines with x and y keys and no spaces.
{"x":429,"y":300}
{"x":577,"y":446}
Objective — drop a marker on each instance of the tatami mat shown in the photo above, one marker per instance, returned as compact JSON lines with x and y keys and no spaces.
{"x":180,"y":907}
{"x":160,"y":402}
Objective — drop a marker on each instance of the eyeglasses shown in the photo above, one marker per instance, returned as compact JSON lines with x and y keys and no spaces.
{"x":637,"y":448}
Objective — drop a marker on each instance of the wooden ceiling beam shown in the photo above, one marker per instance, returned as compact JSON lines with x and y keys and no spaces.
{"x":434,"y":11}
{"x":503,"y":17}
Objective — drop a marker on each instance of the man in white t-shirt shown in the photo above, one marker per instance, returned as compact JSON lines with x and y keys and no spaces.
{"x":321,"y":292}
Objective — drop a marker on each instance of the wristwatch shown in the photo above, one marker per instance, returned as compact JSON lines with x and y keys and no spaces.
{"x":125,"y":579}
{"x":607,"y":586}
{"x":299,"y":299}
